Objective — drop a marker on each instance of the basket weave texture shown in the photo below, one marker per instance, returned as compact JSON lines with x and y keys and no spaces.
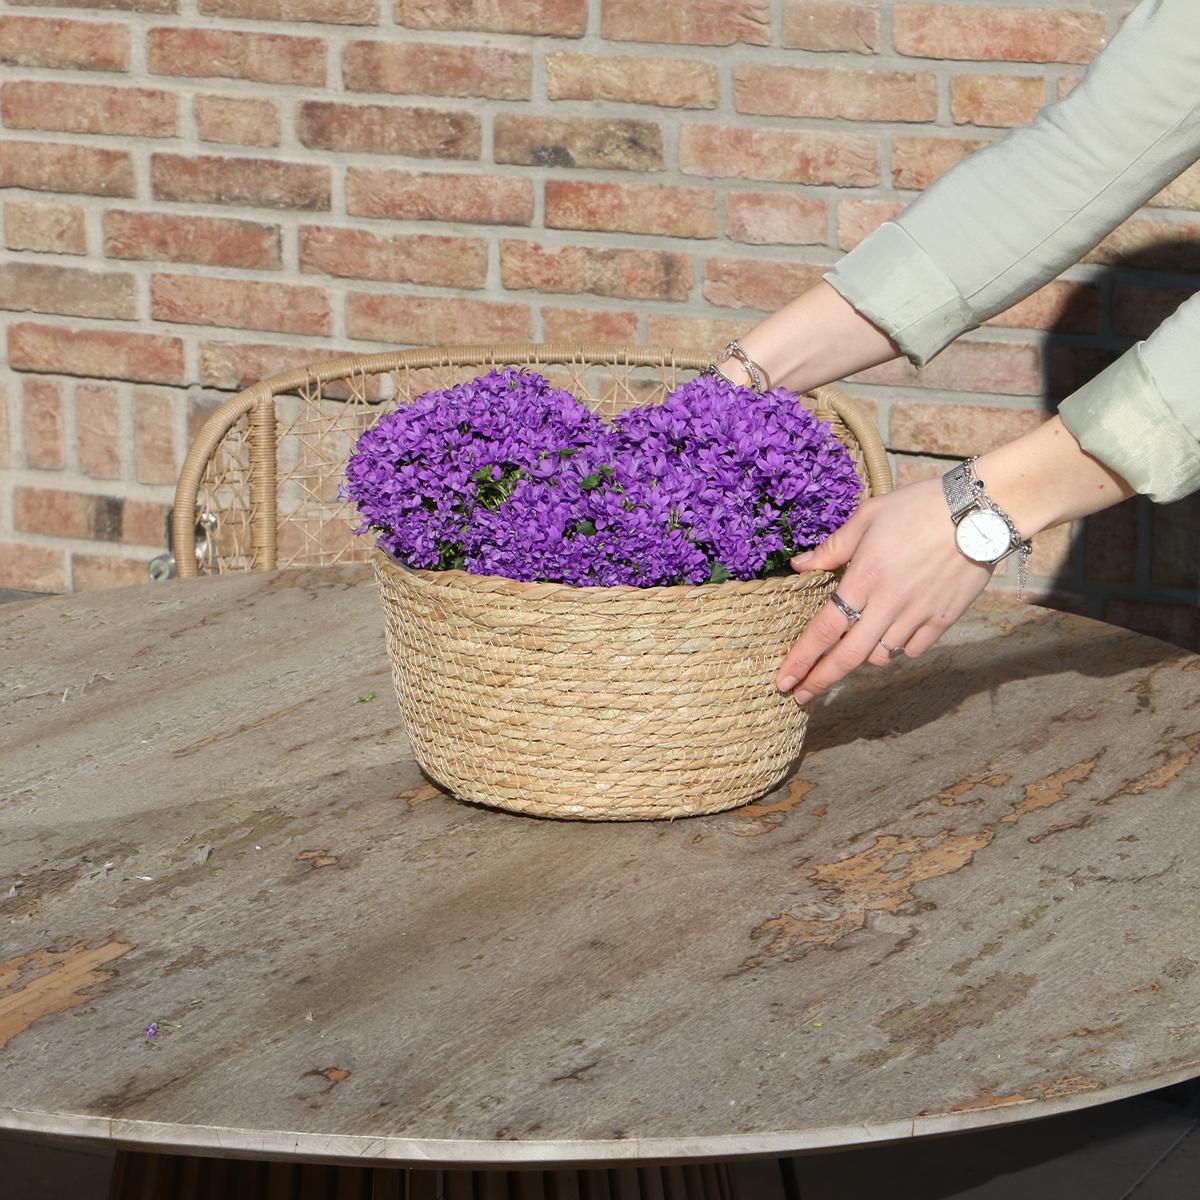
{"x":605,"y":703}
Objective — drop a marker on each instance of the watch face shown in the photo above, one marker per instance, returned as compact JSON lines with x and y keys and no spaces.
{"x":983,"y":536}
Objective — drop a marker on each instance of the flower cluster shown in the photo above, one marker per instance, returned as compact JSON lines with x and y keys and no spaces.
{"x":507,"y":475}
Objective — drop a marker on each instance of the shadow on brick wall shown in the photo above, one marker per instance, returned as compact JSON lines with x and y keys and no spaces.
{"x":1136,"y":564}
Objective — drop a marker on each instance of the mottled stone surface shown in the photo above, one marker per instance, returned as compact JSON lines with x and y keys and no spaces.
{"x":975,"y":900}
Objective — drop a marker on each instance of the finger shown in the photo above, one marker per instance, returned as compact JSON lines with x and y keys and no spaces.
{"x":823,"y":629}
{"x":897,"y":637}
{"x":844,"y":656}
{"x":838,"y":547}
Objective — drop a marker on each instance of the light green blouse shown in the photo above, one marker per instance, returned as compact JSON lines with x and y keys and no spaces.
{"x":1015,"y":214}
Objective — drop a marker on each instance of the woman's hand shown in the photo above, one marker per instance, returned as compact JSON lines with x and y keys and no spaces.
{"x":906,"y":576}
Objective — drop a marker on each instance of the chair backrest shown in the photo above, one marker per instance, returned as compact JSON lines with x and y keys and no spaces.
{"x":264,"y":469}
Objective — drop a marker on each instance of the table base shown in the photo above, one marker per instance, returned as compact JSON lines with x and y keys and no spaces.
{"x":138,"y":1175}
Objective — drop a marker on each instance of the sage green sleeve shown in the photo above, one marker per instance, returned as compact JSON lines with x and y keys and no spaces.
{"x":1017,"y":213}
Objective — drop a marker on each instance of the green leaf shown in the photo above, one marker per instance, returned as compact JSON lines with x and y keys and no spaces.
{"x":719,"y":574}
{"x":587,"y":525}
{"x":365,"y":698}
{"x":589,"y":482}
{"x":568,"y":451}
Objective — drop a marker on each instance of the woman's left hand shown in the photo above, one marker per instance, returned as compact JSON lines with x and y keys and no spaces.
{"x":905,"y":575}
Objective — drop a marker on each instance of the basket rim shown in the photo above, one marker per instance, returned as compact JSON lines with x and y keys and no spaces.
{"x":502,"y":585}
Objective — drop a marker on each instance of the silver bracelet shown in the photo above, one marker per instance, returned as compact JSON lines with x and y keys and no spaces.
{"x":760,"y":381}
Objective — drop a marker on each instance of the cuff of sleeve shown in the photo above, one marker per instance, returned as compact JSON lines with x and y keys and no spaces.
{"x":1121,"y":418}
{"x":895,"y":284}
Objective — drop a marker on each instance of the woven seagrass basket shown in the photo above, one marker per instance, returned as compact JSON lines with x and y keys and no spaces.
{"x":607,"y":703}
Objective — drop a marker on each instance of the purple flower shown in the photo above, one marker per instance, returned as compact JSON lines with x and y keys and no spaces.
{"x":505,"y":475}
{"x":151,"y":1029}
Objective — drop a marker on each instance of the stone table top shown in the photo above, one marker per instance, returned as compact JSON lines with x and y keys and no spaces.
{"x":974,"y":901}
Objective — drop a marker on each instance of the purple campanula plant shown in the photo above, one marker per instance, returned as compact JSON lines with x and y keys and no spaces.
{"x":506,"y":475}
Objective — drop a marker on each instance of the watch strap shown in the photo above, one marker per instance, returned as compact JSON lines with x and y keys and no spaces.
{"x":959,"y":489}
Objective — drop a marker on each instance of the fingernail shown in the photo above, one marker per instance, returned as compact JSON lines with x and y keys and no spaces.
{"x":788,"y":682}
{"x":801,"y":559}
{"x":802,"y":697}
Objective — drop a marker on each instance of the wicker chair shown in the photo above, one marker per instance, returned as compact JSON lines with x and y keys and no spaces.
{"x":263,"y":472}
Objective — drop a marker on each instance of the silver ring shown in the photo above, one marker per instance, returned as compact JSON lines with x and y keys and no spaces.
{"x":892,"y":650}
{"x":851,"y":613}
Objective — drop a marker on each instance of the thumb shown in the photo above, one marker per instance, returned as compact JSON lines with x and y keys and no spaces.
{"x":838,"y":548}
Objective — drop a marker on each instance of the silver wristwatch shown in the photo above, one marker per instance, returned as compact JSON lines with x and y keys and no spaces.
{"x":983,"y":531}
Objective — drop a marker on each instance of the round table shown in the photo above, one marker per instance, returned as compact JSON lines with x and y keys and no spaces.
{"x":973,"y":902}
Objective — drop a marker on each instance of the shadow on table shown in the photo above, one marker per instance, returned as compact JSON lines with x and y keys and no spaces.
{"x":886,"y":702}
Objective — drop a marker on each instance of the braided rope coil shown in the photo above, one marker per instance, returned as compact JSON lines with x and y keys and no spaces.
{"x":604,"y":703}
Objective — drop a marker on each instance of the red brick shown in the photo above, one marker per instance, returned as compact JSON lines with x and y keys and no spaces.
{"x":329,"y":12}
{"x":401,"y":195}
{"x":240,"y":304}
{"x":696,"y":22}
{"x":1070,"y":367}
{"x":398,"y":258}
{"x":143,"y":523}
{"x":1110,"y":544}
{"x":53,"y":167}
{"x":1175,"y":543}
{"x":1182,"y":192}
{"x":1151,"y":245}
{"x":98,"y":430}
{"x":546,"y":18}
{"x":756,"y":282}
{"x":240,"y":121}
{"x":631,"y":274}
{"x":156,"y":458}
{"x":32,"y":568}
{"x":5,"y":435}
{"x":1009,"y":368}
{"x":1058,"y":306}
{"x":252,"y":182}
{"x":1175,"y":623}
{"x":576,"y":325}
{"x":1067,"y":84}
{"x":1138,"y":311}
{"x":957,"y":429}
{"x":388,"y":129}
{"x":833,"y":93}
{"x":232,"y":366}
{"x":211,"y":241}
{"x":424,"y":320}
{"x":97,"y":353}
{"x":605,"y":142}
{"x":631,"y":208}
{"x":42,"y":425}
{"x":53,"y":228}
{"x":99,"y":572}
{"x":918,"y":161}
{"x":776,"y":218}
{"x":146,"y":6}
{"x":67,"y":291}
{"x":422,"y":69}
{"x":1052,"y":551}
{"x":996,"y":100}
{"x":857,"y":218}
{"x":831,"y":25}
{"x":64,"y":43}
{"x":779,"y":155}
{"x":58,"y":513}
{"x":969,"y":31}
{"x":88,"y":108}
{"x":261,"y":57}
{"x":664,"y":82}
{"x":707,"y":334}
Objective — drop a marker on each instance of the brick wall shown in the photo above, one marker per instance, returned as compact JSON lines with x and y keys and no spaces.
{"x":201,"y":192}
